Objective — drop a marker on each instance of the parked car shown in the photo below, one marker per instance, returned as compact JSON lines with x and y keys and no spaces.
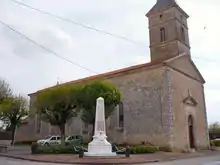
{"x":51,"y":140}
{"x":74,"y":140}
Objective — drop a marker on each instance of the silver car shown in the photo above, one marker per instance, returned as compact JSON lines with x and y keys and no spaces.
{"x":51,"y":140}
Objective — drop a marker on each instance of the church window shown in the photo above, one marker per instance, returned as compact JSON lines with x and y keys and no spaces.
{"x":183,"y":34}
{"x":162,"y":35}
{"x":38,"y":124}
{"x":121,"y":115}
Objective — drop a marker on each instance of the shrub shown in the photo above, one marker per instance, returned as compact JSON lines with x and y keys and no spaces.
{"x":56,"y":149}
{"x":165,"y":149}
{"x":143,"y":149}
{"x":216,"y":143}
{"x":133,"y":150}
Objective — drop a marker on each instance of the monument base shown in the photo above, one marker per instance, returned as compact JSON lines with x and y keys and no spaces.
{"x":100,"y":148}
{"x":100,"y":154}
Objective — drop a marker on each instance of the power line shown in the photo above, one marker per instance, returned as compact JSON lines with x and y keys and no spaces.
{"x":75,"y":23}
{"x":44,"y":48}
{"x":90,"y":27}
{"x":66,"y":59}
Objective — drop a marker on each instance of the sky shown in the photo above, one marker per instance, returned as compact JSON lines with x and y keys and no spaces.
{"x":28,"y":68}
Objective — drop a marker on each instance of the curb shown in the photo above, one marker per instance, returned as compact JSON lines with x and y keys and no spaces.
{"x":95,"y":163}
{"x":83,"y":163}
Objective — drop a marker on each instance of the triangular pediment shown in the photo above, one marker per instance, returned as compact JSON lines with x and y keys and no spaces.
{"x":190,"y":100}
{"x":186,"y":66}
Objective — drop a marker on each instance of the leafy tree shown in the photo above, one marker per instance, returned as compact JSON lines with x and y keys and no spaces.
{"x":13,"y":109}
{"x":214,"y":130}
{"x":88,"y":95}
{"x":57,"y":105}
{"x":5,"y":90}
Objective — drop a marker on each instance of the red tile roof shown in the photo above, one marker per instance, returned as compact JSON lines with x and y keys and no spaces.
{"x":107,"y":74}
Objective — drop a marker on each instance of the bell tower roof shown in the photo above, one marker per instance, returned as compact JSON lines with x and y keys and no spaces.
{"x":162,"y":5}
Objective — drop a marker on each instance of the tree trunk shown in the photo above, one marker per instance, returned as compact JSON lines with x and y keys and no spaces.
{"x":13,"y":129}
{"x":62,"y":132}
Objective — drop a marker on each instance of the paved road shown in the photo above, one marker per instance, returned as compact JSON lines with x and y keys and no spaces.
{"x":210,"y":160}
{"x":194,"y":161}
{"x":7,"y":161}
{"x":19,"y":150}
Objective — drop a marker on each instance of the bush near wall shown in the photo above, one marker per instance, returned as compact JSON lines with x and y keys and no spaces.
{"x":68,"y":149}
{"x":56,"y":149}
{"x":144,"y":149}
{"x":165,"y":149}
{"x":215,"y":143}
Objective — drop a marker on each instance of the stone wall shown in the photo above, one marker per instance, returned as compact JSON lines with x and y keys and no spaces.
{"x":5,"y":135}
{"x":153,"y":110}
{"x":23,"y":133}
{"x":143,"y":101}
{"x":144,"y":95}
{"x":182,"y":87}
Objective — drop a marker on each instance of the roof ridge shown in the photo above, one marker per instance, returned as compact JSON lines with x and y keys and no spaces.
{"x":106,"y":74}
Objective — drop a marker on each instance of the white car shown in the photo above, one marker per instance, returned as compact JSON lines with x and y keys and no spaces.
{"x":51,"y":140}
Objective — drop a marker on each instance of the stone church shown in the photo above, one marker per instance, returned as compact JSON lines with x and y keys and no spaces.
{"x":163,"y":100}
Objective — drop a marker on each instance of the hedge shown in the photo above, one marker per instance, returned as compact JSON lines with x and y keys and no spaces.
{"x":216,"y":143}
{"x":143,"y":149}
{"x":69,"y":149}
{"x":165,"y":149}
{"x":56,"y":149}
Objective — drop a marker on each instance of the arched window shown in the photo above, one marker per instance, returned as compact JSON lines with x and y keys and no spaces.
{"x":121,"y":115}
{"x":162,"y":35}
{"x":183,"y":34}
{"x":190,"y":120}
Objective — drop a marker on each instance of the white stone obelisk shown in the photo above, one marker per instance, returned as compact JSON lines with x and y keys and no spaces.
{"x":99,"y":146}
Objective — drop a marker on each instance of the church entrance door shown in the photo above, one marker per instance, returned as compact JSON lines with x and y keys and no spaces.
{"x":191,"y":132}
